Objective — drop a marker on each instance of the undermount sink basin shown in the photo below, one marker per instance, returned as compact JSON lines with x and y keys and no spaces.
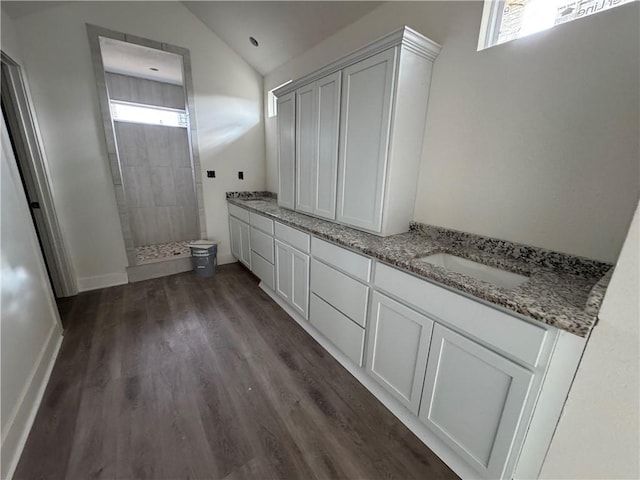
{"x":476,"y":270}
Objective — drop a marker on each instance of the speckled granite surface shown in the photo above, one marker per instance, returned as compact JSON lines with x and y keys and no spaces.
{"x":563,"y":290}
{"x":251,"y":195}
{"x":163,"y":251}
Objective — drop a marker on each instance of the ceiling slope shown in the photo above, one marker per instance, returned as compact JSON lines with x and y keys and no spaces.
{"x":283,"y":29}
{"x":17,"y":9}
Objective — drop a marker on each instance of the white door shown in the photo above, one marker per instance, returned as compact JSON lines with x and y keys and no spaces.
{"x":473,"y":399}
{"x":398,"y":348}
{"x":306,"y":136}
{"x":328,"y":115}
{"x":367,"y":92}
{"x":29,"y":319}
{"x":245,"y":244}
{"x":286,"y":150}
{"x":235,"y":237}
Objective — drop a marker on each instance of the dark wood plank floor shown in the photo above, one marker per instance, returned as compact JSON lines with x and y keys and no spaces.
{"x":184,"y":377}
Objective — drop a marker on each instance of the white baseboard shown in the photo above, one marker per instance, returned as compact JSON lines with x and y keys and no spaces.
{"x":225,"y":258}
{"x":426,"y":436}
{"x":102,"y":281}
{"x":23,"y":415}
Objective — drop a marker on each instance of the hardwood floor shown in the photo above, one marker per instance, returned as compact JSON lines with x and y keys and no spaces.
{"x":185,"y":377}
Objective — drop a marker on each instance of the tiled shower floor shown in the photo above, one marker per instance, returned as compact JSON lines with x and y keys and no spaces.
{"x":163,"y":251}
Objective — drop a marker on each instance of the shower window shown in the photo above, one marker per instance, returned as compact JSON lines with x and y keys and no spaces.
{"x":147,"y":114}
{"x":505,"y":20}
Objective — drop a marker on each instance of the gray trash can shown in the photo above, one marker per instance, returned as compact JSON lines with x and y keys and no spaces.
{"x":204,"y":257}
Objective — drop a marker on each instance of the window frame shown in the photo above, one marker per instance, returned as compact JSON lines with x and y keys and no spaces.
{"x":490,"y":24}
{"x":180,"y":112}
{"x":493,"y":10}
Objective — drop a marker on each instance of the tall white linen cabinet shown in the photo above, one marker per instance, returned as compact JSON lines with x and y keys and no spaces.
{"x":350,"y":135}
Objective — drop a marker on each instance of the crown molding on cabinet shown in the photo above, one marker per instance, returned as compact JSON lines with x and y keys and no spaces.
{"x":407,"y":37}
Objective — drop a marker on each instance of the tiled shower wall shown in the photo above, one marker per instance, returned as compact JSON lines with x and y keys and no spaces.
{"x":156,"y":166}
{"x":140,"y":90}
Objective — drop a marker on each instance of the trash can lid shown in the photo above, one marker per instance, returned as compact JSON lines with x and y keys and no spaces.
{"x":203,"y":243}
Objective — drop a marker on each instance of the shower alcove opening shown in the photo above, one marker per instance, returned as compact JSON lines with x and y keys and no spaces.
{"x":146,"y":97}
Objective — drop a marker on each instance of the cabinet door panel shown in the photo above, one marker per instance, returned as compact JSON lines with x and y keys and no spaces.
{"x":245,"y":244}
{"x":286,"y":151}
{"x":367,"y":89}
{"x":300,"y":284}
{"x":292,"y":277}
{"x":328,"y":115}
{"x":473,"y":399}
{"x":234,"y":234}
{"x":306,"y":133}
{"x":398,"y":349}
{"x":284,"y":279}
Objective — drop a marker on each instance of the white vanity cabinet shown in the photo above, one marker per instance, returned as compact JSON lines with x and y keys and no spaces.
{"x":286,"y":105}
{"x":480,"y":386}
{"x":397,"y":349}
{"x":239,"y":234}
{"x":292,"y":268}
{"x":317,"y":121}
{"x":473,"y":399}
{"x":383,"y":92}
{"x":476,"y":387}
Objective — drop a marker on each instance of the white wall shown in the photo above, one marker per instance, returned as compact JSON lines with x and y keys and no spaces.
{"x":228,"y":101}
{"x":598,"y":433}
{"x":533,"y":141}
{"x":30,"y":331}
{"x":9,"y":41}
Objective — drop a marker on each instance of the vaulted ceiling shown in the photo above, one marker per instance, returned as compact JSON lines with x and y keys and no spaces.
{"x":282,"y":29}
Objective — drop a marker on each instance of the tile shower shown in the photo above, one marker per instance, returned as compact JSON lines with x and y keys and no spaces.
{"x":156,"y":168}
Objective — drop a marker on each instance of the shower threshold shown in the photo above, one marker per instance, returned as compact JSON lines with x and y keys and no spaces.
{"x":163,"y":252}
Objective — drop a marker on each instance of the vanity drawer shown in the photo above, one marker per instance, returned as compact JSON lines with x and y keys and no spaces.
{"x":341,"y":291}
{"x":341,"y":258}
{"x":342,"y":332}
{"x":238,"y":212}
{"x":262,"y":244}
{"x":514,"y":336}
{"x":293,"y":237}
{"x":263,"y":270}
{"x":261,"y":223}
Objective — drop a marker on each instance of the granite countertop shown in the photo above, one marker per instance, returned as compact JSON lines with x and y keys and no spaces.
{"x":564,"y":291}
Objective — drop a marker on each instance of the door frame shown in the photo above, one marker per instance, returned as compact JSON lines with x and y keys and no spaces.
{"x":94,"y":33}
{"x":31,"y":158}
